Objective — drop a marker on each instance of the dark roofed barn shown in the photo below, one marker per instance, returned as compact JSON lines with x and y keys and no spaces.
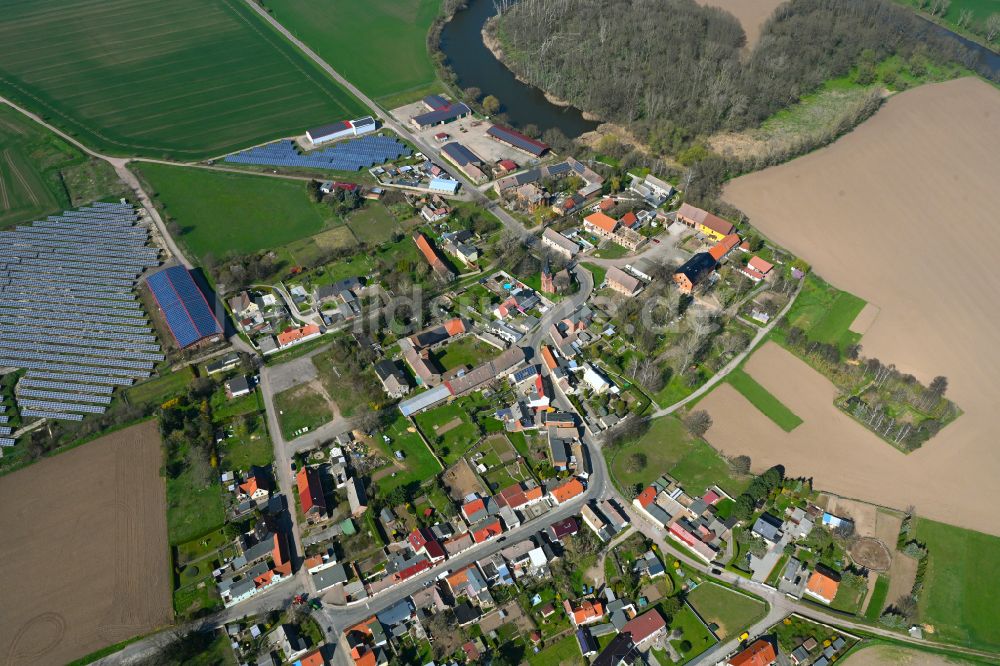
{"x":694,"y":271}
{"x":517,"y":140}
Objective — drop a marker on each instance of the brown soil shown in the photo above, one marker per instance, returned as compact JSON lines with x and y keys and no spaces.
{"x":865,"y":319}
{"x":750,"y":13}
{"x":901,"y":213}
{"x":461,"y":480}
{"x":450,"y":425}
{"x":837,"y":453}
{"x":871,"y":553}
{"x":902,"y":574}
{"x":85,"y":549}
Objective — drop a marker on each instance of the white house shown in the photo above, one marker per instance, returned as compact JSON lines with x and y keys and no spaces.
{"x":341,"y":129}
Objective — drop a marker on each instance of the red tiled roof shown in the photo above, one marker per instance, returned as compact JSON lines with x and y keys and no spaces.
{"x":282,"y":561}
{"x":548,"y":358}
{"x":711,"y":497}
{"x":249,"y":487}
{"x":564,"y":528}
{"x":760,"y":265}
{"x":568,"y":490}
{"x":310,"y":490}
{"x":629,"y":219}
{"x":413,"y":570}
{"x":760,"y":653}
{"x":606,"y":204}
{"x":487,"y":532}
{"x":647,"y":496}
{"x":822,"y":585}
{"x":602,"y":221}
{"x":704,"y":218}
{"x":724,"y":246}
{"x":417,"y":539}
{"x":472,"y":507}
{"x":454,"y":326}
{"x":292,"y":334}
{"x":644,"y":626}
{"x":314,"y":658}
{"x":434,"y":550}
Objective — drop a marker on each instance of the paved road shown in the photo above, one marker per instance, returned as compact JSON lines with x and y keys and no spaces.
{"x":389,"y":121}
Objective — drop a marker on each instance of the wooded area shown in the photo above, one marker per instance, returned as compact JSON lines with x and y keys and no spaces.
{"x":673,"y":69}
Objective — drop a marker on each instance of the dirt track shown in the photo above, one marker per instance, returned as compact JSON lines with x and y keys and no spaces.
{"x":902,"y":212}
{"x":750,"y":13}
{"x":84,"y":549}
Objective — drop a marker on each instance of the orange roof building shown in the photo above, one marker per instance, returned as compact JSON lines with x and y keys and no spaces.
{"x":455,"y":326}
{"x":760,"y":653}
{"x":280,"y":555}
{"x":311,"y":497}
{"x":548,"y":358}
{"x":430,"y":254}
{"x":724,"y":247}
{"x":703,"y":221}
{"x":587,"y":612}
{"x":487,"y":532}
{"x":601,"y":223}
{"x":293,"y":335}
{"x":646,"y":497}
{"x":567,"y":491}
{"x":314,"y":658}
{"x":822,"y":586}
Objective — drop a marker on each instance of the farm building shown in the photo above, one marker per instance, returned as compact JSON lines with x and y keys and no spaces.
{"x":439,"y":112}
{"x":704,"y":222}
{"x":464,"y":159}
{"x":184,"y":307}
{"x":561,"y":244}
{"x":515,"y":139}
{"x":444,"y":186}
{"x":338,"y":130}
{"x":694,"y":271}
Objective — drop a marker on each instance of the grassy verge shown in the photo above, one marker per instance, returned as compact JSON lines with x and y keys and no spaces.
{"x":300,"y":408}
{"x":879,"y":594}
{"x":762,"y":399}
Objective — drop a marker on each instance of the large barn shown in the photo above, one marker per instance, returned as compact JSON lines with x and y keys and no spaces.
{"x":184,"y":306}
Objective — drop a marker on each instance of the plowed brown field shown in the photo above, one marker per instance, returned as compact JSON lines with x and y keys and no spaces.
{"x":902,"y":212}
{"x":84,"y":549}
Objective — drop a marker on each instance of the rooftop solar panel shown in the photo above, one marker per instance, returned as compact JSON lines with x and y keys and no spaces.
{"x":80,"y":377}
{"x":56,"y":406}
{"x":184,"y":306}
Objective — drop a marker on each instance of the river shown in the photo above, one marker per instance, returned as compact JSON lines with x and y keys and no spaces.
{"x":476,"y":66}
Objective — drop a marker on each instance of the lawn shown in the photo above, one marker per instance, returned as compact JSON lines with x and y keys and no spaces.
{"x":825,"y":313}
{"x":762,"y":399}
{"x":468,"y":351}
{"x":187,"y":79}
{"x":193,"y":510}
{"x":849,"y":597}
{"x":693,"y":631}
{"x":963,"y":575}
{"x":379,"y":45}
{"x":248,"y":446}
{"x":732,"y":611}
{"x":420,"y":464}
{"x":670,"y":449}
{"x":563,"y":651}
{"x":878,"y":598}
{"x":300,"y":408}
{"x":222,"y":213}
{"x":598,"y":272}
{"x":450,"y":444}
{"x":373,"y":224}
{"x":611,"y":250}
{"x":157,"y":390}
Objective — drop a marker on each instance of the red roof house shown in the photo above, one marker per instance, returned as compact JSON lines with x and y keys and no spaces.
{"x":760,"y":653}
{"x":645,"y":627}
{"x":310,"y":487}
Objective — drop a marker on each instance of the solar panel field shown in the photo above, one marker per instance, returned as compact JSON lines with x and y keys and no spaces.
{"x":379,"y":45}
{"x":186,"y":79}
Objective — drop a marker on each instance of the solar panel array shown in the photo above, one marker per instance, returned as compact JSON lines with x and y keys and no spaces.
{"x":69,"y":314}
{"x":352,"y":155}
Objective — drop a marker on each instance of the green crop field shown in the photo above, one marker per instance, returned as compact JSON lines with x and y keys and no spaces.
{"x":732,"y":611}
{"x":670,"y":449}
{"x":220,"y":213}
{"x":41,"y":174}
{"x":188,"y":79}
{"x":963,"y":575}
{"x":378,"y":45}
{"x":825,"y":313}
{"x":762,"y":399}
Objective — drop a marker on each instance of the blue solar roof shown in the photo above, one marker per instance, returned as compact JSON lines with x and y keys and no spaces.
{"x":184,"y":306}
{"x":349,"y":155}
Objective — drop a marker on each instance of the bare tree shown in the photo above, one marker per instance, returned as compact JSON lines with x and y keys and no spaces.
{"x":993,"y":26}
{"x":698,"y":422}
